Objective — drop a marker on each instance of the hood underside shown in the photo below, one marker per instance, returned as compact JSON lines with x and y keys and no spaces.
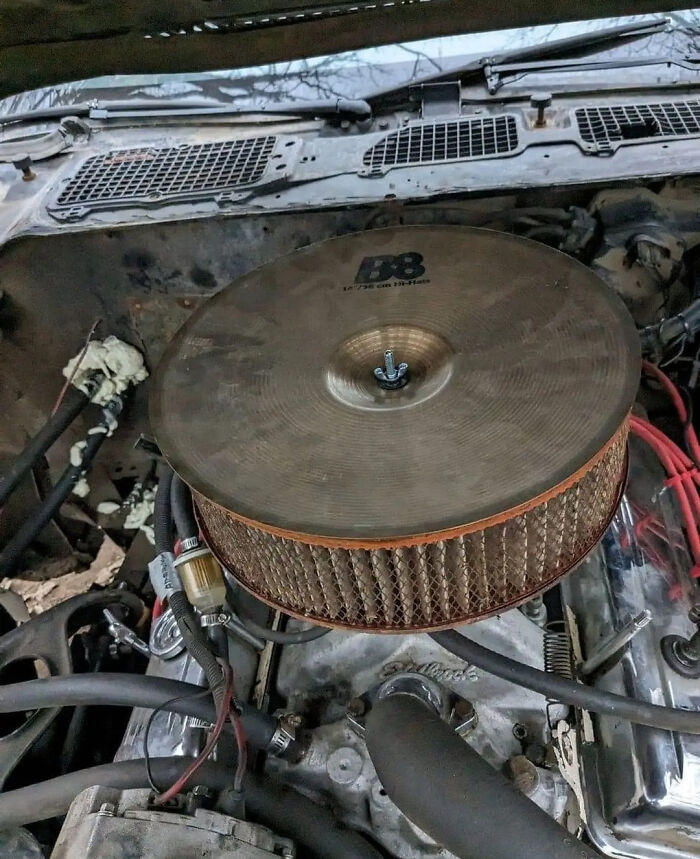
{"x":46,"y":42}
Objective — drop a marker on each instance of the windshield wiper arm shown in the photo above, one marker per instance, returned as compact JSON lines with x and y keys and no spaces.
{"x":354,"y":109}
{"x":495,"y":73}
{"x":477,"y":66}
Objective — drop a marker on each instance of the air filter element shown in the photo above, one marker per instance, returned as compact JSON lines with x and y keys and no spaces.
{"x":402,"y":429}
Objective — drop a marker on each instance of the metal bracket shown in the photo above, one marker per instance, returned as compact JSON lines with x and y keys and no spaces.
{"x":610,"y":651}
{"x":443,"y":98}
{"x":566,"y":752}
{"x":121,"y":634}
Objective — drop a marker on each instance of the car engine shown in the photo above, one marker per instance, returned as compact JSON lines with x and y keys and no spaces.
{"x":409,"y":511}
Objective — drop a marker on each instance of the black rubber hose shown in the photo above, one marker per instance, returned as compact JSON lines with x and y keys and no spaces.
{"x":12,"y":553}
{"x":73,"y":403}
{"x":288,"y":813}
{"x":568,"y":691}
{"x":441,"y":784}
{"x":193,"y":636}
{"x":197,"y":643}
{"x":162,"y":511}
{"x":128,"y":690}
{"x":278,"y":636}
{"x":311,"y":826}
{"x":183,"y":512}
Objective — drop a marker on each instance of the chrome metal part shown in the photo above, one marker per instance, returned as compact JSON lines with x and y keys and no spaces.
{"x":121,"y":634}
{"x":111,"y":824}
{"x":391,"y":376}
{"x":614,"y":645}
{"x":189,"y":543}
{"x":166,"y":639}
{"x":236,"y":627}
{"x":285,"y":740}
{"x":214,"y":618}
{"x":641,"y":786}
{"x":418,"y":686}
{"x":170,"y":733}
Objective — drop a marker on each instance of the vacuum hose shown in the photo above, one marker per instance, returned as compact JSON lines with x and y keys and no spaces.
{"x":11,"y":555}
{"x":73,"y":403}
{"x":569,"y":691}
{"x":193,"y":637}
{"x":449,"y":791}
{"x":312,"y":826}
{"x":183,"y":511}
{"x":128,"y":690}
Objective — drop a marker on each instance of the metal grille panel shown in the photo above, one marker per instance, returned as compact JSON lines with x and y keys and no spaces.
{"x":434,"y":584}
{"x":132,"y":176}
{"x":432,"y":142}
{"x":608,"y":126}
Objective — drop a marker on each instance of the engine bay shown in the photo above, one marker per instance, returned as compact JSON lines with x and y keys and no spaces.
{"x":407,"y":535}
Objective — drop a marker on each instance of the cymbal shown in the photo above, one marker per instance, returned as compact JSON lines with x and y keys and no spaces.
{"x":277,"y":399}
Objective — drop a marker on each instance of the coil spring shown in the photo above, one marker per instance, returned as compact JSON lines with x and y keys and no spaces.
{"x":557,"y":652}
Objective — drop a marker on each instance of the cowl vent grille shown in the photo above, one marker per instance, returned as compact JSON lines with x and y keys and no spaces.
{"x":155,"y":176}
{"x":433,"y":142}
{"x":611,"y":126}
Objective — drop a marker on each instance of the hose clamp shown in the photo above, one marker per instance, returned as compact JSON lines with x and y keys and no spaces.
{"x":283,"y":743}
{"x":214,"y":618}
{"x":189,"y":543}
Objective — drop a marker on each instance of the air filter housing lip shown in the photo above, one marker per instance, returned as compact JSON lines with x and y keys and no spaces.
{"x":355,"y":532}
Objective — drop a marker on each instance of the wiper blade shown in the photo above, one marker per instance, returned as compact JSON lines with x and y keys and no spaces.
{"x":354,"y":109}
{"x":478,"y":66}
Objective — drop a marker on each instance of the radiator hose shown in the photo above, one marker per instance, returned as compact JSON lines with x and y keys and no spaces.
{"x":449,"y":791}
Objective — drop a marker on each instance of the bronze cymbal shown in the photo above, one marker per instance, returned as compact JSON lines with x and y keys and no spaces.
{"x":522,"y":365}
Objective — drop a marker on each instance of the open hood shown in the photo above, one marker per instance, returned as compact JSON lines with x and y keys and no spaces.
{"x":46,"y":42}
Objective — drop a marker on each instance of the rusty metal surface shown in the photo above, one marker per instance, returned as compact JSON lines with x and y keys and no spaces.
{"x":142,"y":283}
{"x":431,"y":585}
{"x":523,"y":366}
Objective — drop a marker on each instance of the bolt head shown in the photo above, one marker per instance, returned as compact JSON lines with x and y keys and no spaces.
{"x":541,"y":99}
{"x":519,"y":731}
{"x":355,"y":707}
{"x":694,"y":614}
{"x":464,"y":709}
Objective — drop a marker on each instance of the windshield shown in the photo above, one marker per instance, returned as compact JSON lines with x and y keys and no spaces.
{"x":357,"y":73}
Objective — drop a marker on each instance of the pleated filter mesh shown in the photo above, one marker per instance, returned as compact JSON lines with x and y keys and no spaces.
{"x":441,"y":582}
